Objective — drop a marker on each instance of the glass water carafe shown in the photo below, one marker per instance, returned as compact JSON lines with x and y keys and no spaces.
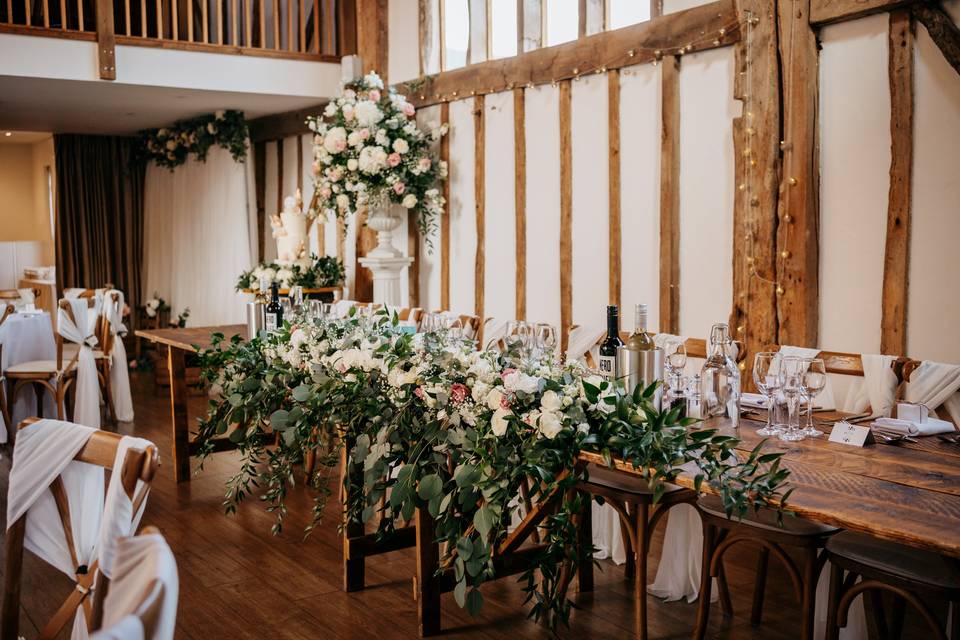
{"x":720,"y":378}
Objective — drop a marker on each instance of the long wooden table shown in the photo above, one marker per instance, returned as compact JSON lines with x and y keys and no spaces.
{"x":179,"y":343}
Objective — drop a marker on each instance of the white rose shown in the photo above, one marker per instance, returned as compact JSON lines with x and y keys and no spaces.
{"x":343,"y":201}
{"x":352,"y":164}
{"x":409,"y":201}
{"x":372,"y":160}
{"x":367,"y":113}
{"x":335,"y":140}
{"x":330,"y":110}
{"x":549,"y":424}
{"x":400,"y":145}
{"x":494,"y":398}
{"x":269,"y":274}
{"x":518,"y":381}
{"x":551,"y":401}
{"x":498,"y":423}
{"x":480,"y":391}
{"x":381,"y":138}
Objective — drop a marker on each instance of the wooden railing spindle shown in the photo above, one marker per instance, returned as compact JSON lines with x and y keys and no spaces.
{"x":289,"y":19}
{"x":175,"y":19}
{"x":234,"y":24}
{"x":205,"y":21}
{"x":46,"y":15}
{"x":79,"y":14}
{"x":63,"y":13}
{"x":219,"y":21}
{"x":263,"y":25}
{"x":247,"y":22}
{"x":159,"y":20}
{"x":10,"y":11}
{"x":190,"y":20}
{"x":303,"y":28}
{"x":276,"y":24}
{"x":143,"y":18}
{"x":316,"y":25}
{"x":26,"y":9}
{"x":126,"y":16}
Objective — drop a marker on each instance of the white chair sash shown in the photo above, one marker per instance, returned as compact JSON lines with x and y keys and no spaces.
{"x":141,"y":561}
{"x":877,"y":390}
{"x":87,"y":408}
{"x":43,"y":451}
{"x":27,"y":296}
{"x":342,"y":307}
{"x":935,"y":384}
{"x":119,"y":374}
{"x":128,"y":628}
{"x":583,"y":339}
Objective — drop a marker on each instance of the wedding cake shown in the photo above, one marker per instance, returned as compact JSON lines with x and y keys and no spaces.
{"x":290,"y":230}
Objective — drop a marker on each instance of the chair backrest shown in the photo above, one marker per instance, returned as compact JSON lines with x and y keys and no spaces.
{"x":849,"y":364}
{"x":907,"y":370}
{"x":100,"y":450}
{"x":7,"y":312}
{"x":101,"y":331}
{"x":14,"y":294}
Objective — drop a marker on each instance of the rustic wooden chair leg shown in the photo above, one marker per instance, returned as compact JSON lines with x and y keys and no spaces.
{"x":875,"y":600}
{"x":836,"y":591}
{"x":954,"y":613}
{"x":585,"y":573}
{"x":640,"y":580}
{"x":896,"y":617}
{"x":808,"y":603}
{"x":759,"y":586}
{"x":630,"y":567}
{"x":723,"y":588}
{"x":38,"y":392}
{"x":706,"y":582}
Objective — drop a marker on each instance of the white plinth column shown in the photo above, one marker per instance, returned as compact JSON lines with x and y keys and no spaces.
{"x":386,"y":277}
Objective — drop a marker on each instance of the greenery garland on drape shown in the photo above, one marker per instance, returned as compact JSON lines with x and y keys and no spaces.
{"x":438,"y":425}
{"x":171,"y":146}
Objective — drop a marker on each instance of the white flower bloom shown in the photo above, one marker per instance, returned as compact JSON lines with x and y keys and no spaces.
{"x":330,"y":110}
{"x":381,"y":138}
{"x":335,"y":140}
{"x":372,"y":160}
{"x":343,"y":201}
{"x":551,"y":401}
{"x":367,"y":113}
{"x":410,"y":201}
{"x":352,"y":164}
{"x":494,"y":399}
{"x":519,"y":381}
{"x":400,"y":145}
{"x":549,"y":424}
{"x":498,"y":423}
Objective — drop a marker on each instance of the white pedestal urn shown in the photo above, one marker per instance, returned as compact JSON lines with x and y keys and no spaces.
{"x":385,"y":260}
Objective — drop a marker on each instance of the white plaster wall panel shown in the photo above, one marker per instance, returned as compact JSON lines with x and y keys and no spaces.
{"x":543,"y":203}
{"x":463,"y":215}
{"x":640,"y":190}
{"x":854,"y":180}
{"x":500,"y":264}
{"x":933,"y":305}
{"x":673,"y":6}
{"x":590,"y":225}
{"x":270,"y":198}
{"x":707,"y":109}
{"x":289,"y":167}
{"x":316,"y":229}
{"x":429,"y":118}
{"x":404,"y":48}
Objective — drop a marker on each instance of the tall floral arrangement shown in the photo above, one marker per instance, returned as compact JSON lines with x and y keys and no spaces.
{"x":368,"y":151}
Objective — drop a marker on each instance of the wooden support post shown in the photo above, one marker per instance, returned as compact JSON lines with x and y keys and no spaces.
{"x":566,"y":216}
{"x":353,"y":567}
{"x":613,"y":124}
{"x":413,"y":250}
{"x":896,"y":259}
{"x":427,"y":583}
{"x":942,"y":29}
{"x":479,"y":185}
{"x":279,"y":176}
{"x":670,"y":196}
{"x":520,"y":198}
{"x":106,"y":41}
{"x":346,"y":28}
{"x":260,"y":187}
{"x":756,"y":146}
{"x":798,"y":306}
{"x":445,"y":218}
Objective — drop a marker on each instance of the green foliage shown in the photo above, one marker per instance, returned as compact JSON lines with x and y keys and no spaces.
{"x":171,"y":146}
{"x":323,"y":271}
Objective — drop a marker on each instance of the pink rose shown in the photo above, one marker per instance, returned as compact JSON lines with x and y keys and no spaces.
{"x":458,"y":392}
{"x":393,"y":160}
{"x":341,"y":145}
{"x":506,"y":372}
{"x":408,"y":109}
{"x":374,"y":95}
{"x":336,"y":174}
{"x":425,"y":164}
{"x":364,"y":133}
{"x":399,"y":188}
{"x":504,"y":402}
{"x":419,"y":392}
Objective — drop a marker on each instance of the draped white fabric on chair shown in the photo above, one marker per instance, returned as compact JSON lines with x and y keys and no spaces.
{"x":43,"y":451}
{"x":196,"y":237}
{"x":877,"y":390}
{"x":86,"y":411}
{"x":119,"y":374}
{"x":936,"y":384}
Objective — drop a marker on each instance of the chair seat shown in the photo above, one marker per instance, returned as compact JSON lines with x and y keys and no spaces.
{"x":917,"y":565}
{"x":627,"y":483}
{"x":767,"y":519}
{"x":36,"y":368}
{"x":70,"y":350}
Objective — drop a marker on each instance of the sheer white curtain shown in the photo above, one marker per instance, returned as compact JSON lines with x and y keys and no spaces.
{"x":197,"y":238}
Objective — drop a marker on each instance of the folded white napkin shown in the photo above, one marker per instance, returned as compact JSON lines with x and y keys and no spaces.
{"x":929,"y":427}
{"x":753,"y":400}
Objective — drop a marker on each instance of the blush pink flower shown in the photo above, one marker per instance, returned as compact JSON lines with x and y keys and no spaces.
{"x":340,"y":145}
{"x":425,"y":164}
{"x":506,"y":372}
{"x":420,"y":393}
{"x":408,"y":109}
{"x":505,"y":402}
{"x":374,"y":95}
{"x":393,"y":159}
{"x":364,"y":133}
{"x":458,"y":392}
{"x":399,"y":188}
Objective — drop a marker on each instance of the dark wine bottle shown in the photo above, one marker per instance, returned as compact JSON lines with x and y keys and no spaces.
{"x":274,"y":310}
{"x":609,"y":347}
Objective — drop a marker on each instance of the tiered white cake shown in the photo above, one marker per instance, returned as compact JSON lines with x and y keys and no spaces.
{"x":290,"y":230}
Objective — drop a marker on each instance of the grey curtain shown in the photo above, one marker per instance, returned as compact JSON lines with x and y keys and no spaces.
{"x":99,"y":235}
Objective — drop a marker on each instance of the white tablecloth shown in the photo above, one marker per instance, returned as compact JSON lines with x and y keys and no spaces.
{"x":27,"y":337}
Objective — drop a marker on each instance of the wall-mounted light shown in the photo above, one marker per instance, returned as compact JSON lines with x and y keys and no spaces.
{"x":8,"y":133}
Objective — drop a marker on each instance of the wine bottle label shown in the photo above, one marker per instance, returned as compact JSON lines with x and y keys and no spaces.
{"x":271,"y":322}
{"x":608,"y":367}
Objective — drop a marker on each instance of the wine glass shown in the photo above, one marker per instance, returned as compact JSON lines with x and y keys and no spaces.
{"x":512,"y":337}
{"x":766,"y":375}
{"x":287,"y":307}
{"x":814,"y":381}
{"x":296,"y":298}
{"x":547,"y":338}
{"x":791,"y":377}
{"x":316,"y":311}
{"x":675,"y":356}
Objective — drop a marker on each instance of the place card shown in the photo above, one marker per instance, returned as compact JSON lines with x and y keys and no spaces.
{"x":845,"y":433}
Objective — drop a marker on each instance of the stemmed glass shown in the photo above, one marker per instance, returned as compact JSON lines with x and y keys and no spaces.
{"x":316,"y":311}
{"x":296,"y":298}
{"x":675,"y":355}
{"x":546,"y":339}
{"x":791,"y":376}
{"x":767,"y":367}
{"x":814,"y":381}
{"x":287,"y":307}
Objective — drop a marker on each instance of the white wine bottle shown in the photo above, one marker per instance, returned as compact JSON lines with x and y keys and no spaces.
{"x":640,"y":340}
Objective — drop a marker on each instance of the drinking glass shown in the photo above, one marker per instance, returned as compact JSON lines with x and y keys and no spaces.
{"x":287,"y":307}
{"x":316,"y":311}
{"x":791,"y":377}
{"x":814,"y":381}
{"x":296,"y":298}
{"x":675,"y":356}
{"x":327,"y":309}
{"x":766,"y":375}
{"x":512,"y":337}
{"x":546,"y":339}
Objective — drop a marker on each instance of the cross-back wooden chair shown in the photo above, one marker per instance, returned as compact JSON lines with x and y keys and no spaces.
{"x":909,"y":366}
{"x":12,"y":295}
{"x":100,"y":450}
{"x":52,"y":376}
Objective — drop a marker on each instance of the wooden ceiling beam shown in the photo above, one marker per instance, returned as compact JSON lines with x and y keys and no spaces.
{"x":942,"y":31}
{"x":704,"y":27}
{"x":829,"y":11}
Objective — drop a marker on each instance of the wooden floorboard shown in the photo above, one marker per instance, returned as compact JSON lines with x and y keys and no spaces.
{"x":239,"y":581}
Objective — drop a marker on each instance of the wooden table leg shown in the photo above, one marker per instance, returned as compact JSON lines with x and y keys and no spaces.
{"x":178,"y":414}
{"x":428,"y":584}
{"x":354,"y":568}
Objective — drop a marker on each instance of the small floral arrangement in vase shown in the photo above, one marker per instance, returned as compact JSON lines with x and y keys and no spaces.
{"x":369,"y":153}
